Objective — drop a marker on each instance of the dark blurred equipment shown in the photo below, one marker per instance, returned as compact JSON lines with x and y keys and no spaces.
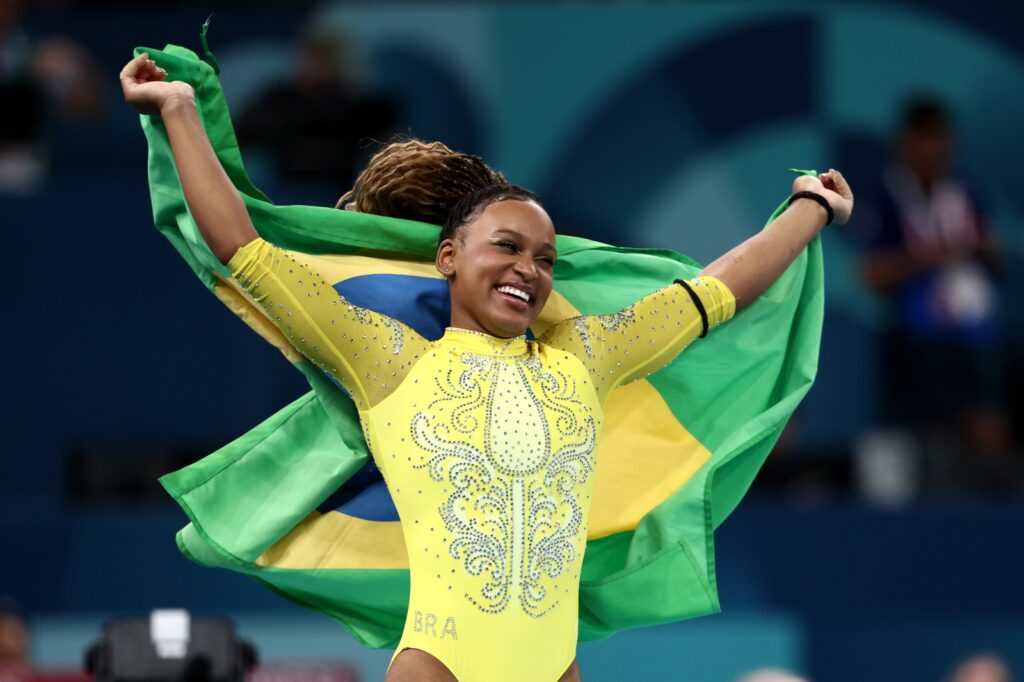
{"x":170,"y":646}
{"x":104,"y":471}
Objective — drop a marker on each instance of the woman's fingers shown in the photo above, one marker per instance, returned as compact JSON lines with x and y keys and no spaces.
{"x":149,"y":69}
{"x":141,"y":69}
{"x":132,"y":68}
{"x":828,"y":180}
{"x":154,"y":72}
{"x":841,"y":186}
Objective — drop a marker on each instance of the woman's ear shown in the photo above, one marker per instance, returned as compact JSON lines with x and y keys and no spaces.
{"x":445,"y":261}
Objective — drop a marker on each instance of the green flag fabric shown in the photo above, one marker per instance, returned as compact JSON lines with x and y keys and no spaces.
{"x":296,"y":504}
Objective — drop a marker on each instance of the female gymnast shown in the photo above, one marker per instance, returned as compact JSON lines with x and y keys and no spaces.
{"x":485,"y":438}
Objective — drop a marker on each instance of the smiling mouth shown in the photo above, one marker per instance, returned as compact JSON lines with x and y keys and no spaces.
{"x":517,"y":297}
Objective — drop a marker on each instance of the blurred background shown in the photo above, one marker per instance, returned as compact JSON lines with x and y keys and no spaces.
{"x":882,"y":540}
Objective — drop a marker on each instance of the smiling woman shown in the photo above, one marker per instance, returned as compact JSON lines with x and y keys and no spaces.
{"x":497,"y":250}
{"x":486,"y":439}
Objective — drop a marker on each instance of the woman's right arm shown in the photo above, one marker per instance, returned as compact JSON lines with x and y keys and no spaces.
{"x":213,"y":200}
{"x":367,"y":353}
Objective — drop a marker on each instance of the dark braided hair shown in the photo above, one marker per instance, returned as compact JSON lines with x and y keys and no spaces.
{"x":472,"y":205}
{"x":419,"y":181}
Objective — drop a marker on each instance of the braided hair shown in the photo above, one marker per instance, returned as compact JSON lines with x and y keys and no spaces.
{"x":472,"y":205}
{"x":418,"y":181}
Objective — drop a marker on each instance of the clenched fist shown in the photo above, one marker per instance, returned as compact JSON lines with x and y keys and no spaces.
{"x":833,"y":186}
{"x":146,"y":88}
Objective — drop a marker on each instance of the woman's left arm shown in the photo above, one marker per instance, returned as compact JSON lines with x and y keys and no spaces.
{"x":647,"y":335}
{"x":750,"y":268}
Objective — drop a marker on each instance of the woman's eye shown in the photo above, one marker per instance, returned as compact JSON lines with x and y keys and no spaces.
{"x":508,"y":245}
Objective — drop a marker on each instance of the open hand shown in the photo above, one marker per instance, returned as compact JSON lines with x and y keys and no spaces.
{"x":833,"y":186}
{"x":146,"y":88}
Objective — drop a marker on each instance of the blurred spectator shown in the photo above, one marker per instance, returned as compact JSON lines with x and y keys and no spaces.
{"x":932,"y":254}
{"x":38,"y":77}
{"x":14,"y":663}
{"x":314,"y":124}
{"x":982,"y":668}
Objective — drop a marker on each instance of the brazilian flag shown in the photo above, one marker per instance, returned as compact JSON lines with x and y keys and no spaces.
{"x":297,"y":504}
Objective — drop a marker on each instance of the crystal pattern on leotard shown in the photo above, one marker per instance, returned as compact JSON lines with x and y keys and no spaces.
{"x":609,"y":323}
{"x":627,"y":345}
{"x":366,"y":353}
{"x":514,"y":511}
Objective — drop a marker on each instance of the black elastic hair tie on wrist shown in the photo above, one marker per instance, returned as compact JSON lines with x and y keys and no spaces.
{"x":697,"y":302}
{"x":814,"y":196}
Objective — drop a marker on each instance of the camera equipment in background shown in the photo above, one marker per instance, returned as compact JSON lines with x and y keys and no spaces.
{"x":170,"y":646}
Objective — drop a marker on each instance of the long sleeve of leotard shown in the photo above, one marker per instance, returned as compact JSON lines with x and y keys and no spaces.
{"x":366,"y":352}
{"x":647,"y":335}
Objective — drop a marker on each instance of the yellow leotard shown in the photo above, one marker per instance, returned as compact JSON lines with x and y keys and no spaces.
{"x":486,"y":445}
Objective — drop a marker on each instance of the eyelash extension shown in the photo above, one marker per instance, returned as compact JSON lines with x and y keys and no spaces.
{"x":503,"y":242}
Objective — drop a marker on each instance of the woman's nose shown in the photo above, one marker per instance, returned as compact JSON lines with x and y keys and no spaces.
{"x":527,"y":269}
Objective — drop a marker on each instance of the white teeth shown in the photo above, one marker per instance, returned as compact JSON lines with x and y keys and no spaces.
{"x":515,"y":292}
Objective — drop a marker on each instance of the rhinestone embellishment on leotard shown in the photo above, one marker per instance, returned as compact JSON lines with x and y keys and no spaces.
{"x":515,"y":511}
{"x":610,"y":323}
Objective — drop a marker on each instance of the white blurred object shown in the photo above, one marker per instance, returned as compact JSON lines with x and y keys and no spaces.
{"x":982,"y":668}
{"x":965,"y":294}
{"x":886,"y":466}
{"x":22,"y":169}
{"x":169,"y":630}
{"x":771,"y":675}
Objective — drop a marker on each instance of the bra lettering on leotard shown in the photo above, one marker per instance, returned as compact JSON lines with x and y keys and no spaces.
{"x":427,"y":624}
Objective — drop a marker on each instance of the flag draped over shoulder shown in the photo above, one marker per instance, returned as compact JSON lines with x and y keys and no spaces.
{"x":297,"y":504}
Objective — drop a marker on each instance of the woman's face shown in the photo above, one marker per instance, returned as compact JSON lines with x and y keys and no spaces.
{"x":499,"y":268}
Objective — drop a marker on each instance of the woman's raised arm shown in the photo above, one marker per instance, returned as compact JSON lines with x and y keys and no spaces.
{"x":366,"y":353}
{"x":213,"y":200}
{"x":751,"y":267}
{"x":645,"y":336}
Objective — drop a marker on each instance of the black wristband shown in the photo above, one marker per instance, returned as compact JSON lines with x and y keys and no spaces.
{"x":814,"y":196}
{"x":697,"y":302}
